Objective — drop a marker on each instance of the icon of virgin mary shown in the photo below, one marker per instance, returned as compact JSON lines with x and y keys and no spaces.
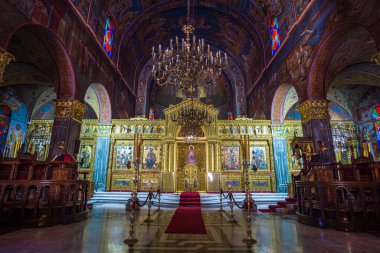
{"x":191,"y":158}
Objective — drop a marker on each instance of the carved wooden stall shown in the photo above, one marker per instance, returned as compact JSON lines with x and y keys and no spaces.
{"x":36,"y":194}
{"x":342,"y":197}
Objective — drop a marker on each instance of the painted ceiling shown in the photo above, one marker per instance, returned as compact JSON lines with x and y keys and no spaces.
{"x":238,"y":27}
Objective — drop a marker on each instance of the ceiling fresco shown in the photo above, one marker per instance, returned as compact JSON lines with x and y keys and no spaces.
{"x":220,"y":31}
{"x":239,"y":27}
{"x":357,"y":46}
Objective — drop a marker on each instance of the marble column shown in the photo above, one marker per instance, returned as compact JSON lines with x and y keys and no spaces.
{"x":315,"y":120}
{"x":281,"y":165}
{"x":101,"y":157}
{"x":66,"y":126}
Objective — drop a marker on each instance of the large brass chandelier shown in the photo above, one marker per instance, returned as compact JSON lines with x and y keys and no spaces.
{"x":187,"y":64}
{"x":191,"y":118}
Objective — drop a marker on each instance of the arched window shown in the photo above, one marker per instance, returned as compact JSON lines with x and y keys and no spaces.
{"x":376,"y":122}
{"x":108,"y":36}
{"x":274,"y":35}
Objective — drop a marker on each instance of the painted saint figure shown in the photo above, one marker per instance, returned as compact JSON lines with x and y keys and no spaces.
{"x":191,"y":158}
{"x":85,"y":158}
{"x":150,"y":159}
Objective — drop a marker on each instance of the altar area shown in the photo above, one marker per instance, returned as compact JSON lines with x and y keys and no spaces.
{"x":218,"y":153}
{"x":106,"y":152}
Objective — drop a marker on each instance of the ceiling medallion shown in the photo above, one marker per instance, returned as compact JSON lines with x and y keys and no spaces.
{"x":187,"y":64}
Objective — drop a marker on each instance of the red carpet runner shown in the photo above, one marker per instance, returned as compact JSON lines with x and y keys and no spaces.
{"x":187,"y":219}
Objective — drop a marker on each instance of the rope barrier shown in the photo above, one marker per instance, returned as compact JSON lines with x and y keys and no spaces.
{"x":240,"y":207}
{"x":158,"y":192}
{"x":146,"y":200}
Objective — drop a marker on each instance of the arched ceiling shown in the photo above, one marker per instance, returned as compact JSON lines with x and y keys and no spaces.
{"x":235,"y":26}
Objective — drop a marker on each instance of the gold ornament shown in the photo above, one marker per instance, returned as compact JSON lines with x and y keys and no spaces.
{"x":69,"y":109}
{"x":314,"y":109}
{"x":5,"y":59}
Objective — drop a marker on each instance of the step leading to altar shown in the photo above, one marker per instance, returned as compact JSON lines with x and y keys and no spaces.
{"x":171,"y":200}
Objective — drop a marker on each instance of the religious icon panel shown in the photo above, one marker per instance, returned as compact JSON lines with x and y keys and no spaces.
{"x":258,"y":158}
{"x":124,"y":155}
{"x":85,"y":156}
{"x":151,"y":157}
{"x":231,"y":158}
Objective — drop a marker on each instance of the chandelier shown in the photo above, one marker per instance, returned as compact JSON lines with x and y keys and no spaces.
{"x":189,"y":139}
{"x":191,"y":119}
{"x":187,"y":64}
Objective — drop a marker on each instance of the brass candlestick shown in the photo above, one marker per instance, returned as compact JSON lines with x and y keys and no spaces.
{"x":131,"y":240}
{"x":221,"y":201}
{"x":249,"y":240}
{"x":148,"y":219}
{"x":232,"y":215}
{"x":159,"y":199}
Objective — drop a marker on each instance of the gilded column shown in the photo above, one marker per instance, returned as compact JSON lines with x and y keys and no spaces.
{"x":315,"y":120}
{"x":212,"y":167}
{"x":110,"y":164}
{"x":66,"y":127}
{"x":165,"y":157}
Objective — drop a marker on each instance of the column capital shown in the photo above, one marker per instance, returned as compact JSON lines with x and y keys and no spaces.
{"x":5,"y":59}
{"x":69,"y":109}
{"x":314,"y":109}
{"x":104,"y":130}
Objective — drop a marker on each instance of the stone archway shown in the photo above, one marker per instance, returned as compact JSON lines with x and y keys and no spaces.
{"x":66,"y":75}
{"x":233,"y":73}
{"x":69,"y":111}
{"x":316,"y":80}
{"x":104,"y":103}
{"x":282,"y":102}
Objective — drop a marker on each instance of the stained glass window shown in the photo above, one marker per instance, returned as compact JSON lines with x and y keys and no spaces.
{"x":274,"y":35}
{"x":376,"y":122}
{"x":151,"y":113}
{"x":108,"y":36}
{"x":230,"y":115}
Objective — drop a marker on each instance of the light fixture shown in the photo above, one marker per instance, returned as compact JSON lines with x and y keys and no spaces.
{"x":187,"y":64}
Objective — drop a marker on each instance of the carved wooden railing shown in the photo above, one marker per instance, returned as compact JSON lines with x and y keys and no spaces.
{"x":42,"y":202}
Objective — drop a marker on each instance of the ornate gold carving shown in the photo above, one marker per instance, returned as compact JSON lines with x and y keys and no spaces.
{"x":167,"y":181}
{"x":5,"y":59}
{"x":376,"y":58}
{"x":314,"y":109}
{"x":69,"y":109}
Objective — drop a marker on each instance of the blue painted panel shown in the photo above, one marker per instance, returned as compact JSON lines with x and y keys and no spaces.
{"x":101,"y":164}
{"x":281,"y":165}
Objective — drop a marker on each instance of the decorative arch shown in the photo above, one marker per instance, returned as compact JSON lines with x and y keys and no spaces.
{"x":103,"y":101}
{"x":316,"y":80}
{"x":66,"y":75}
{"x":233,"y":73}
{"x":284,"y":98}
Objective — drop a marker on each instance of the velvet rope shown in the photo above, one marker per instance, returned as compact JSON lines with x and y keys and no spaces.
{"x":240,"y":207}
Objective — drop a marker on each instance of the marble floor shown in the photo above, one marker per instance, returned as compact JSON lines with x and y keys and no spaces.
{"x":109,"y":224}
